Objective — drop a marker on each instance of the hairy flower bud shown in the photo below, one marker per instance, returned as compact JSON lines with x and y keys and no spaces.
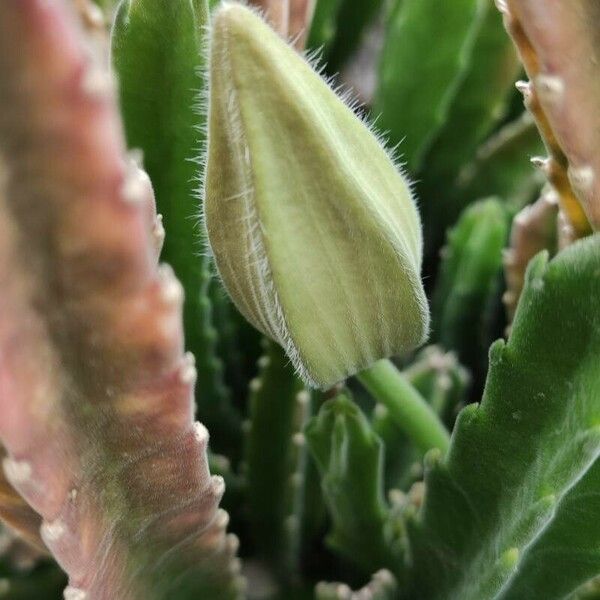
{"x":313,"y":229}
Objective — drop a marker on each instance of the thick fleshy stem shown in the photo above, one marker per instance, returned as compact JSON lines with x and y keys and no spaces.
{"x":349,"y":457}
{"x":408,"y":408}
{"x":95,"y":390}
{"x":276,"y":461}
{"x":157,"y":56}
{"x":444,"y":383}
{"x":533,"y":230}
{"x":557,"y":42}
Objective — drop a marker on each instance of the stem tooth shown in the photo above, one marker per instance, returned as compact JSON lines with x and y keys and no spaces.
{"x":550,"y":88}
{"x":97,"y":83}
{"x":200,"y":432}
{"x":524,"y":87}
{"x":94,"y":16}
{"x":135,"y":184}
{"x":16,"y":471}
{"x":73,"y":593}
{"x":255,"y":384}
{"x":171,"y":288}
{"x":233,"y":543}
{"x":582,"y":178}
{"x":52,"y":531}
{"x":187,"y":372}
{"x":303,"y":397}
{"x":299,"y":440}
{"x":501,"y":6}
{"x":541,"y":163}
{"x":218,"y":487}
{"x":158,"y":233}
{"x":551,"y":197}
{"x":222,"y":518}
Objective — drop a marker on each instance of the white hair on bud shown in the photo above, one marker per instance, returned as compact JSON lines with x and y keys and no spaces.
{"x":264,"y":298}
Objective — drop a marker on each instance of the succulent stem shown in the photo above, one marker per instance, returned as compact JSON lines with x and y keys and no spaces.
{"x":409,"y":409}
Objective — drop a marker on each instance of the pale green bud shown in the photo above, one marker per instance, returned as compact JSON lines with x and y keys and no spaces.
{"x":313,"y":229}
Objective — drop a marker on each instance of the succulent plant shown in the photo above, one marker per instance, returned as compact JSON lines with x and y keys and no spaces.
{"x":201,"y":232}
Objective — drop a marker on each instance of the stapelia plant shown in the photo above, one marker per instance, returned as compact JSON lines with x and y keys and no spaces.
{"x":393,"y":338}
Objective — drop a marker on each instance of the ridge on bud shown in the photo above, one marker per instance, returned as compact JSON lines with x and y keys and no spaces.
{"x":313,"y":228}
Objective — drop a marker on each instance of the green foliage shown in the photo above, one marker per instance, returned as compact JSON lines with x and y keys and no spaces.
{"x":323,"y":29}
{"x":276,"y":461}
{"x":512,"y":512}
{"x":350,"y":458}
{"x":26,"y":583}
{"x":493,"y":66}
{"x":443,"y":382}
{"x":338,"y":28}
{"x":417,"y":85}
{"x":501,"y":165}
{"x":468,"y":281}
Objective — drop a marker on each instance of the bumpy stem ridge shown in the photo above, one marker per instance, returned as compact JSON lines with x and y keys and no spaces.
{"x":558,"y":47}
{"x":95,"y":391}
{"x":533,"y":230}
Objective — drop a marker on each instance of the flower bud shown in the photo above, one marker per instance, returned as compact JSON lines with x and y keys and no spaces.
{"x":313,"y":228}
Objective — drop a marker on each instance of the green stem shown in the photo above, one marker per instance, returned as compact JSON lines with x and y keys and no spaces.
{"x":407,"y":407}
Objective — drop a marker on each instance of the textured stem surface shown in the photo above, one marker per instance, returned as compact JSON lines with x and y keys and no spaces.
{"x":559,"y":47}
{"x":95,"y":391}
{"x":157,"y":52}
{"x":533,"y":230}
